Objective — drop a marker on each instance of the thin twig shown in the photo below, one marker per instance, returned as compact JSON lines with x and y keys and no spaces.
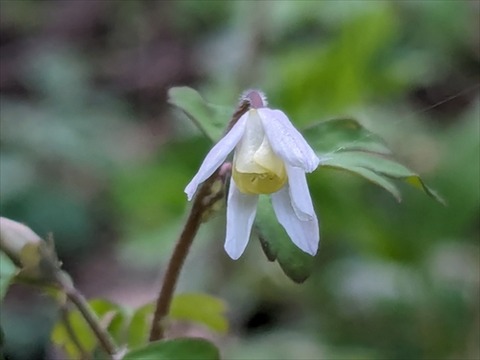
{"x":104,"y":339}
{"x":177,"y":259}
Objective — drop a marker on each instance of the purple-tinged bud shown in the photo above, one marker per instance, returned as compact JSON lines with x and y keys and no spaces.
{"x":256,"y":98}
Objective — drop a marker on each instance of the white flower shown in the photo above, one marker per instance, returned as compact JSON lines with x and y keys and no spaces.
{"x":271,"y":157}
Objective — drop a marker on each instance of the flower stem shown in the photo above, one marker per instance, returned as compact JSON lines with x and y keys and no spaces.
{"x":204,"y":200}
{"x":179,"y":255}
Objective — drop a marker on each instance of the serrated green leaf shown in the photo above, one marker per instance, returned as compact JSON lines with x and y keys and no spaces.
{"x":295,"y":263}
{"x":201,"y":308}
{"x":177,"y":349}
{"x":110,"y":315}
{"x":354,"y":161}
{"x":139,"y":327}
{"x":8,"y":270}
{"x":210,"y":119}
{"x":343,"y":135}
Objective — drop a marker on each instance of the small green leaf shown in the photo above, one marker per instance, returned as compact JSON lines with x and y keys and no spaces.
{"x":341,"y":135}
{"x":276,"y":244}
{"x":346,"y":145}
{"x":177,"y":349}
{"x":60,"y":336}
{"x":109,"y":314}
{"x":139,"y":327}
{"x":8,"y":270}
{"x":372,"y":177}
{"x":201,"y":308}
{"x":210,"y":119}
{"x":355,"y":161}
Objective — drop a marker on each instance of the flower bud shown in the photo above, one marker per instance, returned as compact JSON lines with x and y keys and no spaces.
{"x":13,"y":237}
{"x":36,"y":258}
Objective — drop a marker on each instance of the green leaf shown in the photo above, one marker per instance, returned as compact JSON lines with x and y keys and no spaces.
{"x":110,"y":316}
{"x":139,"y":327}
{"x":343,"y":134}
{"x":368,"y":165}
{"x":373,"y":177}
{"x":276,"y":244}
{"x":345,"y":144}
{"x":210,"y":119}
{"x":8,"y":270}
{"x":177,"y":349}
{"x":201,"y":308}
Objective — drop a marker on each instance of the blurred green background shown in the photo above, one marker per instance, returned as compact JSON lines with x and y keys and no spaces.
{"x":92,"y":152}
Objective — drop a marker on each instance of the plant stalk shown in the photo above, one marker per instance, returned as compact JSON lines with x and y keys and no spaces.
{"x":203,"y":201}
{"x":178,"y":257}
{"x":105,"y":341}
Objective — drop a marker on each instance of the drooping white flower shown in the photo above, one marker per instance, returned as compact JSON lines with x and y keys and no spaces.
{"x":271,"y":157}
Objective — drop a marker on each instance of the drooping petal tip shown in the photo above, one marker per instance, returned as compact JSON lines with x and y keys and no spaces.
{"x":304,"y":234}
{"x":241,"y":210}
{"x":300,"y":194}
{"x":191,"y":189}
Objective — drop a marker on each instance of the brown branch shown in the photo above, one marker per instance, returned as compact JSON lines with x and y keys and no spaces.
{"x":179,"y":255}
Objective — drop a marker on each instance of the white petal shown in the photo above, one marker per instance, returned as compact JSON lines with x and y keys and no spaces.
{"x":241,"y":210}
{"x":286,"y":141}
{"x":252,"y":139}
{"x":217,"y":155}
{"x":304,"y":234}
{"x":299,"y":193}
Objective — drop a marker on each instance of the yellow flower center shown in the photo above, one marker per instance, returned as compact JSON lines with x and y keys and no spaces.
{"x":256,"y":168}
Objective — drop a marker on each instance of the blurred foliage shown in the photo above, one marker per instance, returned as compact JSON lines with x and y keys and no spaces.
{"x":92,"y":152}
{"x":131,"y":328}
{"x":7,"y":272}
{"x":200,"y":308}
{"x":111,"y":317}
{"x":177,"y":349}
